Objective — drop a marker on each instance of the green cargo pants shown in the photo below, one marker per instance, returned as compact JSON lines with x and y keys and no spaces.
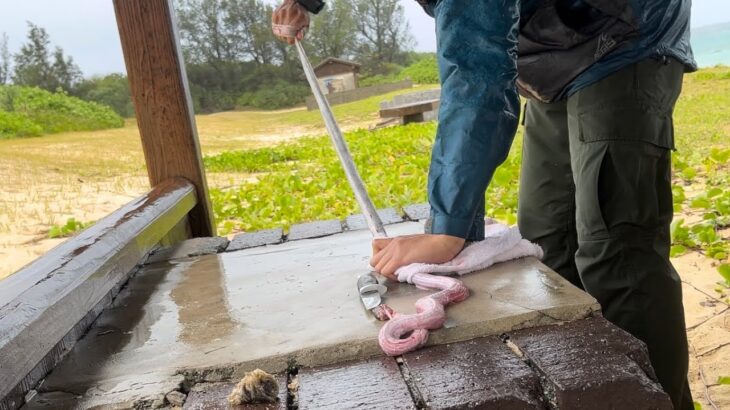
{"x":595,"y":193}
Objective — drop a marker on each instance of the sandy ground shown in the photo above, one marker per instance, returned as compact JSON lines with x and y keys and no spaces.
{"x":45,"y":181}
{"x":707,"y":316}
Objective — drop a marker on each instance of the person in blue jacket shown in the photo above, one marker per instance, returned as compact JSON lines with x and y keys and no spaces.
{"x":601,"y":78}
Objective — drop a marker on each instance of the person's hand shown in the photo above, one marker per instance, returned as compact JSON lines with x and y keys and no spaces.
{"x":290,"y":21}
{"x":389,"y":254}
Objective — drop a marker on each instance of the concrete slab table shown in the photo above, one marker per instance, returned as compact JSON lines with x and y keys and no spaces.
{"x":194,"y":325}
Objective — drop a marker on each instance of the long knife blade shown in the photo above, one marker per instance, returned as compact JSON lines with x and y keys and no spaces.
{"x":367,"y":284}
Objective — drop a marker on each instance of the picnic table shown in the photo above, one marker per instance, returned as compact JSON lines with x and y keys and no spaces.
{"x":410,"y":112}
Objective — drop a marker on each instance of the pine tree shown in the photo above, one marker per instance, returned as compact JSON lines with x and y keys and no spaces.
{"x":35,"y":66}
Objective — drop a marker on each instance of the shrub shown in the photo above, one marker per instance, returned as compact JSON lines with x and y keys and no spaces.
{"x":424,"y":71}
{"x":17,"y":125}
{"x":278,"y":95}
{"x":376,"y":80}
{"x":32,"y":109}
{"x":111,"y":90}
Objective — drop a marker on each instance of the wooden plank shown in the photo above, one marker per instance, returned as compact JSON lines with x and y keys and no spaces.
{"x":159,"y":86}
{"x":42,"y":303}
{"x":410,"y":109}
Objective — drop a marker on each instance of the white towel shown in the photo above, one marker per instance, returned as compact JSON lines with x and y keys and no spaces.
{"x":501,"y":243}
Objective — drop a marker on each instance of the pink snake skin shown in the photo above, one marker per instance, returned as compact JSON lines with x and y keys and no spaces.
{"x":404,"y":333}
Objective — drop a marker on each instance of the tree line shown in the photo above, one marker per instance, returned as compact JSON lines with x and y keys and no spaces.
{"x":38,"y":64}
{"x":232,"y":58}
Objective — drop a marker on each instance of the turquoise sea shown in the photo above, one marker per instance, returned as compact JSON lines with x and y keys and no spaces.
{"x":711,"y":45}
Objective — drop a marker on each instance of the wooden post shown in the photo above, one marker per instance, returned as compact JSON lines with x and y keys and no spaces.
{"x":159,"y":86}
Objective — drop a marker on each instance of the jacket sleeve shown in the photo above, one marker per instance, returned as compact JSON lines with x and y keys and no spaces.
{"x":477,"y":46}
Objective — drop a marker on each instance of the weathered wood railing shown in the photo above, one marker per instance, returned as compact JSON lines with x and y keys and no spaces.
{"x":46,"y":306}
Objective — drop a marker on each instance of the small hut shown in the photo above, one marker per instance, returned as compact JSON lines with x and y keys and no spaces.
{"x":337,"y":75}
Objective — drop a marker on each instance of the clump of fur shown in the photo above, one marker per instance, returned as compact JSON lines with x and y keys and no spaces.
{"x":255,"y":387}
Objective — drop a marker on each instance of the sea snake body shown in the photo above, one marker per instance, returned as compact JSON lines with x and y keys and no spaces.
{"x":404,"y":333}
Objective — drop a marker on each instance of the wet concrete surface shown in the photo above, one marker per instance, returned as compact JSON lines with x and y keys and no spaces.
{"x":213,"y":317}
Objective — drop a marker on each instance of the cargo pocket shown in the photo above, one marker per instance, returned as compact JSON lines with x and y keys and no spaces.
{"x":633,"y":104}
{"x":634,"y":123}
{"x":626,"y":188}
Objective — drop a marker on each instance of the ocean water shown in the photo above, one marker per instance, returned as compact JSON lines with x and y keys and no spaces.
{"x":711,"y":45}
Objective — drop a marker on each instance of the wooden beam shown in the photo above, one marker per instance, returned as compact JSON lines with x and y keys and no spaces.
{"x":159,"y":86}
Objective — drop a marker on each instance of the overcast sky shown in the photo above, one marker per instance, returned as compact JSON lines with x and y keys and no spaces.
{"x":86,"y":29}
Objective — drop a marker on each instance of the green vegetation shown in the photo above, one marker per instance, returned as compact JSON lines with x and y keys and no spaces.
{"x":111,"y":90}
{"x":302,"y":180}
{"x":713,"y":204}
{"x":35,"y":65}
{"x":27,"y":111}
{"x":68,"y":229}
{"x":234,"y":60}
{"x":422,"y":70}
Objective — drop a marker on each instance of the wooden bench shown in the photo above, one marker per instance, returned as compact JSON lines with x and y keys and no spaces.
{"x":411,"y":112}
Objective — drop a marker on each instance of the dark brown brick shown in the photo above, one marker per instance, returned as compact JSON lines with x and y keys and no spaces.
{"x":591,"y":364}
{"x":417,"y":212}
{"x":388,"y":216}
{"x":314,"y":229}
{"x":371,"y":384}
{"x":214,"y":396}
{"x":482,"y":373}
{"x":253,"y":239}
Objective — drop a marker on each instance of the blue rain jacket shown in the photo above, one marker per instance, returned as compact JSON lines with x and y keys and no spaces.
{"x":480,"y":106}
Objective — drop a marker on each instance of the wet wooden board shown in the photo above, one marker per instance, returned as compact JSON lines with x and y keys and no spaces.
{"x":47,"y":305}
